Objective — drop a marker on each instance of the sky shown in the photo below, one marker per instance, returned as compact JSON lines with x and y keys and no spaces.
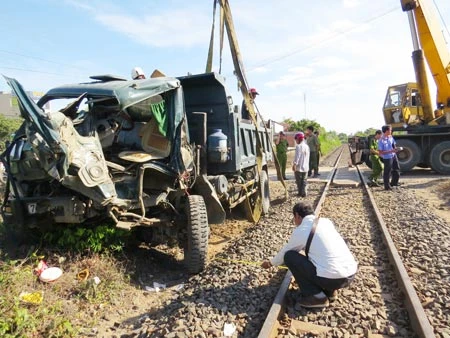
{"x":326,"y":60}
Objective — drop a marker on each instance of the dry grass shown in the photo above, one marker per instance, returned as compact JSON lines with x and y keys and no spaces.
{"x":70,"y":305}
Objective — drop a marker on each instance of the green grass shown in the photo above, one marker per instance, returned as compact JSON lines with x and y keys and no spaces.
{"x":70,"y":305}
{"x":328,"y":143}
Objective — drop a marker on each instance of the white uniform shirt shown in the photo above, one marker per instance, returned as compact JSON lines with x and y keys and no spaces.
{"x":328,"y":251}
{"x":301,"y":158}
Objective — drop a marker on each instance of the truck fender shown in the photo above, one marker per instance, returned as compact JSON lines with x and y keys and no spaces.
{"x":215,"y":210}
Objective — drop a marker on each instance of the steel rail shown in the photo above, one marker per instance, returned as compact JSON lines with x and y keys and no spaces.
{"x":269,"y":325}
{"x":417,"y":316}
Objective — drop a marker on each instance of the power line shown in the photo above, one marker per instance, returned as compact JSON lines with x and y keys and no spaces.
{"x":442,"y":18}
{"x":35,"y":71}
{"x":41,"y":59}
{"x":300,"y":50}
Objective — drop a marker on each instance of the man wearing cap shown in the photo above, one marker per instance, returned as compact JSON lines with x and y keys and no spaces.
{"x":282,"y":147}
{"x":245,"y":114}
{"x":137,"y":73}
{"x":300,"y":166}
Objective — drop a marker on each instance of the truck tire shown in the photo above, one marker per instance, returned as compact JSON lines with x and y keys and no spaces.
{"x":410,"y":156}
{"x":265,"y":192}
{"x":440,"y":157}
{"x":196,"y":246}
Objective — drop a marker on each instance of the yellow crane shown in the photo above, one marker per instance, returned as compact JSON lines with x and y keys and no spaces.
{"x":423,"y":130}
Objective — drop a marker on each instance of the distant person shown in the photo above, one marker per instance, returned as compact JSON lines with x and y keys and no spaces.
{"x":326,"y":266}
{"x":319,"y":152}
{"x":313,"y":144}
{"x":300,"y":165}
{"x":245,"y":114}
{"x":375,"y":160}
{"x":388,"y":152}
{"x":282,"y":147}
{"x":137,"y":73}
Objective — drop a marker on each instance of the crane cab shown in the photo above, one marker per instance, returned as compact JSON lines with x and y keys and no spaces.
{"x":402,"y":106}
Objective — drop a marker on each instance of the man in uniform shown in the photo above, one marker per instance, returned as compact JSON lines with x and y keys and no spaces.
{"x":388,"y":151}
{"x":377,"y":163}
{"x":313,"y":144}
{"x":282,"y":147}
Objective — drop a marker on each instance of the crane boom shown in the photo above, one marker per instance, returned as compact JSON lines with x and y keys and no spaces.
{"x":424,"y":24}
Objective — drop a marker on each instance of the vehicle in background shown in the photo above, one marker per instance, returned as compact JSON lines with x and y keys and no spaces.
{"x":421,"y":130}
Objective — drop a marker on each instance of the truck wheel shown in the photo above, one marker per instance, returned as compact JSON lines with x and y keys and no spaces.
{"x":440,"y":157}
{"x":196,"y":247}
{"x":410,"y":156}
{"x":265,"y":192}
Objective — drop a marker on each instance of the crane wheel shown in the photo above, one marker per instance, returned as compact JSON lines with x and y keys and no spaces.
{"x":440,"y":157}
{"x":410,"y":156}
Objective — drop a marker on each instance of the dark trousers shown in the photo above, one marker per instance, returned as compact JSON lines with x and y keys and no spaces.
{"x":282,"y":159}
{"x":302,"y":183}
{"x":306,"y":277}
{"x":391,"y":167}
{"x":313,"y":163}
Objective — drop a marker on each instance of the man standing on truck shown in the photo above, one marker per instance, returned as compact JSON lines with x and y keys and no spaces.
{"x":377,"y":163}
{"x":245,"y":114}
{"x":388,"y":152}
{"x":282,"y":147}
{"x":300,"y":165}
{"x":137,"y":73}
{"x":313,"y":144}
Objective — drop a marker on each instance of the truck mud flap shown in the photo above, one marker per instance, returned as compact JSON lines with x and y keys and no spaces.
{"x":215,"y":210}
{"x":253,"y":208}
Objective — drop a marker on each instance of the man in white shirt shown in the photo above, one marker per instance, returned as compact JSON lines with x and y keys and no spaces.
{"x":329,"y":264}
{"x":300,"y":165}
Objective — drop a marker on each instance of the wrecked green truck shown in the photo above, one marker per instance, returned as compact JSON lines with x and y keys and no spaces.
{"x":165,"y":155}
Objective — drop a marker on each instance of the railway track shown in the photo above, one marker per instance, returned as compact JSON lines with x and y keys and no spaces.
{"x":235,"y":293}
{"x":383,"y":299}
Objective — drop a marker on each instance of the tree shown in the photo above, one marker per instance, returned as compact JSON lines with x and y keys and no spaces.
{"x":367,"y":132}
{"x":302,"y":124}
{"x":7,"y":128}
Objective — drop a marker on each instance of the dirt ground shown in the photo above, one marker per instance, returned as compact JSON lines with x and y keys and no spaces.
{"x":116,"y":317}
{"x":437,"y":195}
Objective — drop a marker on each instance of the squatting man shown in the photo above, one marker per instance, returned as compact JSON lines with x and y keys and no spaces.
{"x":328,"y":264}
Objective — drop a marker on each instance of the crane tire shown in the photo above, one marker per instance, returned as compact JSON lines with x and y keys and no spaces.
{"x":410,"y":156}
{"x":196,"y":246}
{"x":440,"y":157}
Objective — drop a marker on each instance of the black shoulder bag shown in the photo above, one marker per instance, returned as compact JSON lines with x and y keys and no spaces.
{"x":311,"y":235}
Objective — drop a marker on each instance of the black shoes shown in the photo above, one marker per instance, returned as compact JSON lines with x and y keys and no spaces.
{"x":332,"y":295}
{"x":319,"y":300}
